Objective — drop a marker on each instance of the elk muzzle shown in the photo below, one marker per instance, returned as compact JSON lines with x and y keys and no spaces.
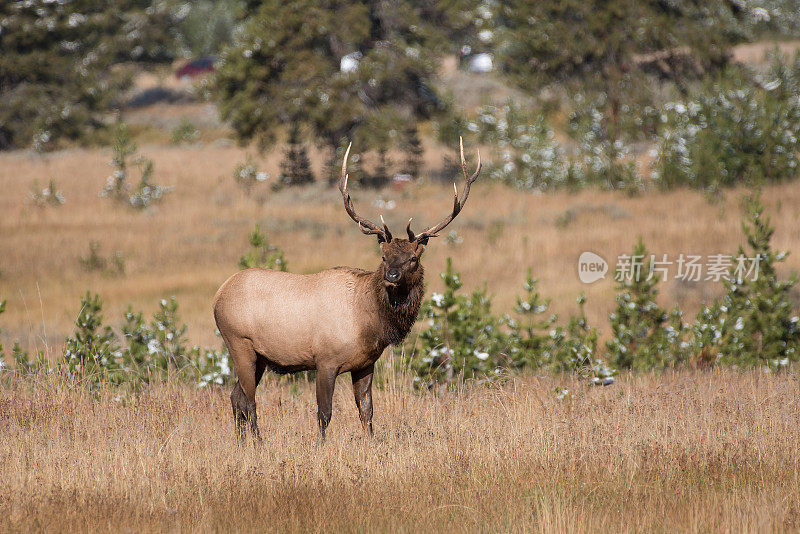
{"x":392,"y":275}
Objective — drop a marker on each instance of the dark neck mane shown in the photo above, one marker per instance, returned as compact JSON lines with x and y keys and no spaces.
{"x":398,"y":308}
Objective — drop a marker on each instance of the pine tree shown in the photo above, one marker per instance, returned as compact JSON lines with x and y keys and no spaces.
{"x":123,"y":148}
{"x":413,"y":151}
{"x":380,"y":177}
{"x":706,"y":335}
{"x":55,"y":76}
{"x":287,"y":67}
{"x":24,"y":364}
{"x":761,"y":326}
{"x":527,"y":153}
{"x":295,"y":167}
{"x":463,"y":338}
{"x":49,"y":196}
{"x":92,"y":351}
{"x":137,"y":339}
{"x":638,"y":324}
{"x":205,"y":26}
{"x":575,"y":348}
{"x":530,"y":333}
{"x":117,"y":187}
{"x":263,"y":254}
{"x":168,"y":346}
{"x":599,"y":44}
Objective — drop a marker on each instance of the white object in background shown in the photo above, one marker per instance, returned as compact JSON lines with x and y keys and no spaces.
{"x":349,"y":63}
{"x":481,"y":63}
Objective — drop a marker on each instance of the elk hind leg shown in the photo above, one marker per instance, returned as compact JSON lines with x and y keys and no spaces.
{"x":239,"y":406}
{"x":249,"y":368}
{"x":326,"y":380}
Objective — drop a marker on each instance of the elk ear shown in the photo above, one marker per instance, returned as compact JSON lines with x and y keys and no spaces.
{"x":420,"y":248}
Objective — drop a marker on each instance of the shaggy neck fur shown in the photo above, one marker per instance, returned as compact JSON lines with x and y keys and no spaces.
{"x":398,"y":307}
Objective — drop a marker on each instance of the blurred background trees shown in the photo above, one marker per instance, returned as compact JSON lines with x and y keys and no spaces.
{"x":56,"y":67}
{"x":612,"y":48}
{"x":591,"y":85}
{"x":361,"y":71}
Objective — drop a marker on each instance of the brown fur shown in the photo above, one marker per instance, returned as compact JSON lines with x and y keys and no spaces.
{"x":335,"y":321}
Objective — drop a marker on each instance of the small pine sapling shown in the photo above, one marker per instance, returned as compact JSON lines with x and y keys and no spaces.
{"x":296,"y":166}
{"x":185,"y":131}
{"x":168,"y":345}
{"x":463,"y":339}
{"x":138,"y":342}
{"x":92,"y":350}
{"x":95,"y":262}
{"x":414,"y":152}
{"x":705,"y":334}
{"x":146,"y":192}
{"x":246,"y":175}
{"x":49,"y":196}
{"x":117,"y":184}
{"x":117,"y":187}
{"x":639,"y":336}
{"x":574,"y":348}
{"x":262,"y":253}
{"x":381,"y":176}
{"x":761,"y":326}
{"x":213,"y":366}
{"x":529,"y":334}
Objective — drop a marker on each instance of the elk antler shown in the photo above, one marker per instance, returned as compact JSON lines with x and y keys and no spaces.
{"x":364,"y":225}
{"x":433,"y":231}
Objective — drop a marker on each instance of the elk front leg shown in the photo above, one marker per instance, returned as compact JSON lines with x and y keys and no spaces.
{"x":362,"y":390}
{"x":326,"y":380}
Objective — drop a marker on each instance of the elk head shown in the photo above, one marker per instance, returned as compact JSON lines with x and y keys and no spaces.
{"x":400,"y":264}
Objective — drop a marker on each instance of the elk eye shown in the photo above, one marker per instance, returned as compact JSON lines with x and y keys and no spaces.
{"x":383,"y":258}
{"x":413,"y":259}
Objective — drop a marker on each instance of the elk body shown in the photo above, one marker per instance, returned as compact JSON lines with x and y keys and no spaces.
{"x":336,"y":321}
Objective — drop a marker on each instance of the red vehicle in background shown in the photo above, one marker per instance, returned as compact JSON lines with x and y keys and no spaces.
{"x":196,"y":67}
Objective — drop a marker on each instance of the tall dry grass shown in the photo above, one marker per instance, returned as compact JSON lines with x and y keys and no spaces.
{"x":715,"y":451}
{"x":191,"y":243}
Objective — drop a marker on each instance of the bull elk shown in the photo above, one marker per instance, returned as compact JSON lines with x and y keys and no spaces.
{"x":336,"y":321}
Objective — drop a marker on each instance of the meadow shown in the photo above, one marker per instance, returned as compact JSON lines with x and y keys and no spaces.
{"x":688,"y":450}
{"x":702,"y":451}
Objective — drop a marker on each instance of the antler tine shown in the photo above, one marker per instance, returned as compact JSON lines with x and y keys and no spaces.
{"x":464,"y":170}
{"x":366,"y":226}
{"x":411,"y":236}
{"x":386,"y":231}
{"x":433,"y":231}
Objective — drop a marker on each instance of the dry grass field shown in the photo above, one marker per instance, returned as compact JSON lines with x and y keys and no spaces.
{"x":188,"y":245}
{"x":714,"y":451}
